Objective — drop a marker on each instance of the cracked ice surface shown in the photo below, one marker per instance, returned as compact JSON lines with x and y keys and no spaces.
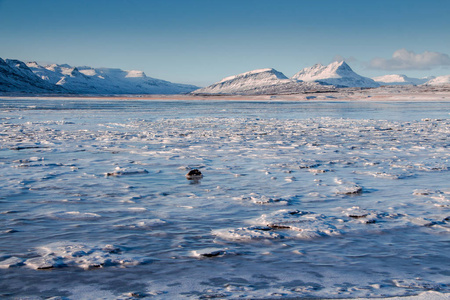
{"x":296,"y":200}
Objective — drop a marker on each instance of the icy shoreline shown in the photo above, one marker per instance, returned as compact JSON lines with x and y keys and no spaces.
{"x":385,"y":93}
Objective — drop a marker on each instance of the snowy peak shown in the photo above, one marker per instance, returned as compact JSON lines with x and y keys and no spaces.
{"x":400,"y":79}
{"x":257,"y":75}
{"x":135,"y":74}
{"x":318,"y":71}
{"x":247,"y":82}
{"x":17,"y":77}
{"x":337,"y":73}
{"x":440,"y":80}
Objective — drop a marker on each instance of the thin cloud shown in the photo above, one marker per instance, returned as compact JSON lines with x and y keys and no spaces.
{"x":403,"y":59}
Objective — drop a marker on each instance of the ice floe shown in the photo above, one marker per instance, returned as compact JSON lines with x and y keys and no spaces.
{"x":11,"y":262}
{"x":247,"y":233}
{"x":75,"y":215}
{"x":263,"y":199}
{"x":299,"y":224}
{"x":85,"y":256}
{"x":142,"y":224}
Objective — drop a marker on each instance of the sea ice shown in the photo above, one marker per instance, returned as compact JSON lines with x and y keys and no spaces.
{"x":75,"y":215}
{"x":263,"y":199}
{"x":66,"y":254}
{"x":142,"y":224}
{"x":11,"y":262}
{"x":247,"y":233}
{"x":388,"y":211}
{"x":299,"y":224}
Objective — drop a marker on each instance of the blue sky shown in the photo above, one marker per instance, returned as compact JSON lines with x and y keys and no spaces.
{"x":202,"y":41}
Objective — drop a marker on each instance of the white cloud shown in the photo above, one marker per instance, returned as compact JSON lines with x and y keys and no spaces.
{"x":403,"y":59}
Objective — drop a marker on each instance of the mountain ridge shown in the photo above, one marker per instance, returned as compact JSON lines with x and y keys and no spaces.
{"x":313,"y":79}
{"x":33,"y":78}
{"x":16,"y":77}
{"x":400,"y":79}
{"x":258,"y":82}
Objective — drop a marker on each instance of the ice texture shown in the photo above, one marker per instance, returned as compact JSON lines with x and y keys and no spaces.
{"x":298,"y":199}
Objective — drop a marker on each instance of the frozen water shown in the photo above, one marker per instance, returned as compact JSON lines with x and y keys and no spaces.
{"x":297,"y":199}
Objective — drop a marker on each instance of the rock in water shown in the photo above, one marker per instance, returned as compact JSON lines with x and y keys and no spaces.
{"x":194,"y":174}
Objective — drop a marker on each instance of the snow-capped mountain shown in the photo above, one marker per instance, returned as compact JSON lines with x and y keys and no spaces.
{"x":440,"y":80}
{"x":88,"y":80}
{"x":16,"y":77}
{"x":338,"y":74}
{"x":258,"y":82}
{"x":32,"y":78}
{"x":398,"y":79}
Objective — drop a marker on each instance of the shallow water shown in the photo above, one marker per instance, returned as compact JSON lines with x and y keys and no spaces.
{"x":298,"y":199}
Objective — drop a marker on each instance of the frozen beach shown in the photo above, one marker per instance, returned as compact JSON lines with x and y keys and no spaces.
{"x":299,"y":199}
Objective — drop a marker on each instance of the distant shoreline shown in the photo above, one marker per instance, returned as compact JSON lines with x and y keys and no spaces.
{"x":407,"y":94}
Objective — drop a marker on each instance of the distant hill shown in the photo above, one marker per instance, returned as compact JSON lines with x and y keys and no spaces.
{"x":398,"y":79}
{"x":440,"y":80}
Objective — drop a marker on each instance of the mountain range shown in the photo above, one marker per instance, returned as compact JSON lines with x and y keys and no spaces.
{"x":260,"y":82}
{"x":17,"y":77}
{"x":32,"y":78}
{"x":269,"y":81}
{"x":317,"y":78}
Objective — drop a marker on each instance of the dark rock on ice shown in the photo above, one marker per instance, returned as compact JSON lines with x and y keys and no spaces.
{"x":126,"y":171}
{"x":194,"y":174}
{"x":212,"y":252}
{"x":112,"y":249}
{"x":138,"y":294}
{"x":362,"y":215}
{"x":299,"y":224}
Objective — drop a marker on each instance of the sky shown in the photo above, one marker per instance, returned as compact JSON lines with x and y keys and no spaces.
{"x":202,"y":41}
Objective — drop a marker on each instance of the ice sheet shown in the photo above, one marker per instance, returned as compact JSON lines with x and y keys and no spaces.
{"x":337,"y":200}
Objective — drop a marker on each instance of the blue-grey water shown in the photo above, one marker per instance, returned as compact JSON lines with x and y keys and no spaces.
{"x":297,"y":199}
